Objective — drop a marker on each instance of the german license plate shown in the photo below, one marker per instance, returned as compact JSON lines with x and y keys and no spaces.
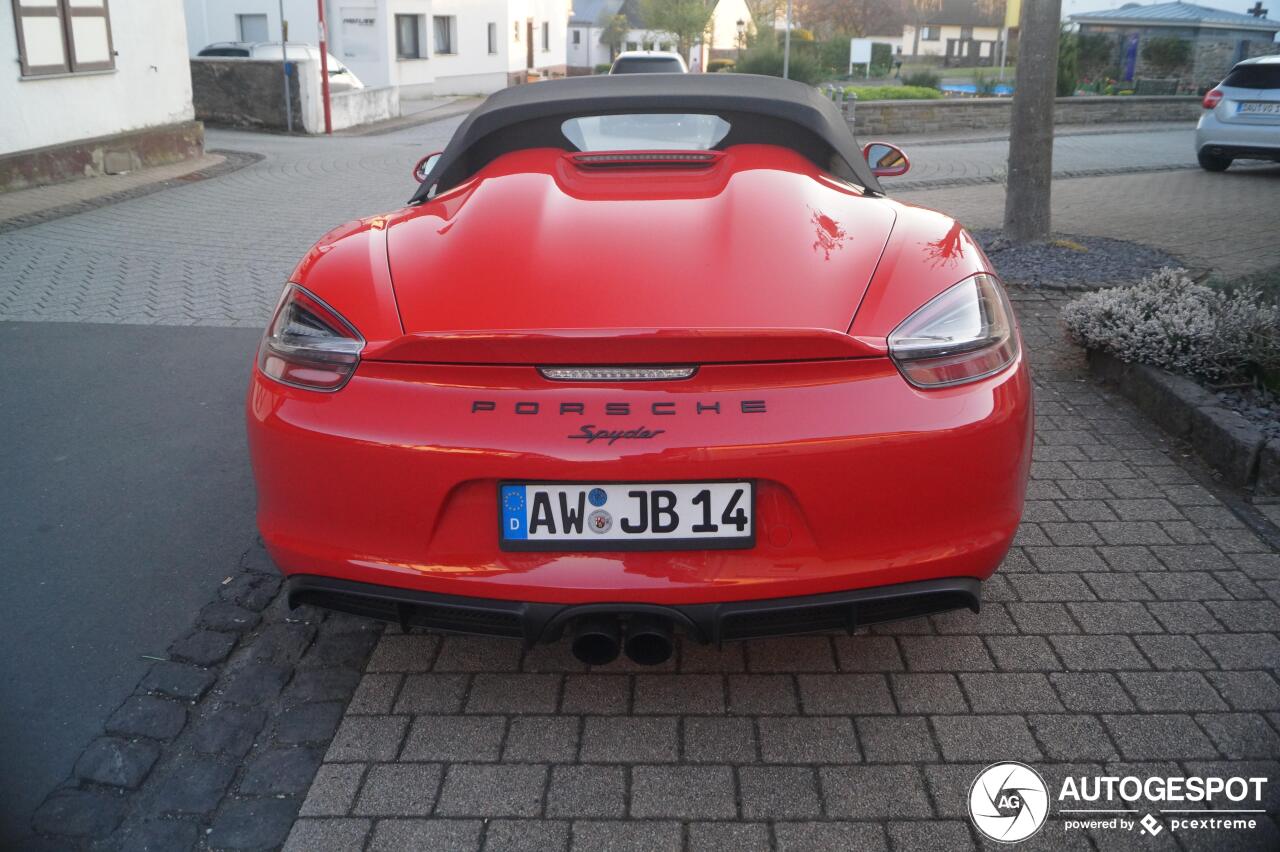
{"x":1259,"y":107}
{"x":626,"y":515}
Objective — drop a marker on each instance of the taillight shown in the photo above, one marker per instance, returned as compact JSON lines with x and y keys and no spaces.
{"x":1211,"y":98}
{"x":308,"y":345}
{"x":964,"y":334}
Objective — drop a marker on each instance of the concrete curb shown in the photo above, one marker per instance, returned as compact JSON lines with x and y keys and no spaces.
{"x":1226,"y":441}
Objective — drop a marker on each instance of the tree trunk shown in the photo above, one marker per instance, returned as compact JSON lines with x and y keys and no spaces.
{"x":1026,"y":204}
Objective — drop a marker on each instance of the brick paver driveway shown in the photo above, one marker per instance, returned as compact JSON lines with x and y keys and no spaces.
{"x":1132,"y":629}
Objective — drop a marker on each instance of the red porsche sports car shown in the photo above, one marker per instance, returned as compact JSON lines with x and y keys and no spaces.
{"x":644,"y":353}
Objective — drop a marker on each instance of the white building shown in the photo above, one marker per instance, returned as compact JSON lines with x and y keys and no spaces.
{"x":961,"y":32}
{"x":586,"y":27}
{"x":89,"y":81}
{"x":426,"y":47}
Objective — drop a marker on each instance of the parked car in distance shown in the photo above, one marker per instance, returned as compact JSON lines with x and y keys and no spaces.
{"x":648,"y":62}
{"x":1241,"y":120}
{"x":340,"y":77}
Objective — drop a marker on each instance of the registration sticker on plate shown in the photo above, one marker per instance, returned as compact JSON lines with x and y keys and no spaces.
{"x":626,"y":515}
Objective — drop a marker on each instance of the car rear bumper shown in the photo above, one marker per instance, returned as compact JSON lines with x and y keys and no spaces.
{"x":862,"y":481}
{"x":715,"y":623}
{"x":1237,"y":139}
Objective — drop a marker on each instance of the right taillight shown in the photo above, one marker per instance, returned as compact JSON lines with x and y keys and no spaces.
{"x":308,"y":344}
{"x":1211,"y":98}
{"x":962,"y":335}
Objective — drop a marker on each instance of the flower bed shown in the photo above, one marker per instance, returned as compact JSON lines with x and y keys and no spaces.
{"x":1141,"y":337}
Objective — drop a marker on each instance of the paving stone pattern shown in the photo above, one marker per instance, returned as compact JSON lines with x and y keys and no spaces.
{"x":1132,"y":629}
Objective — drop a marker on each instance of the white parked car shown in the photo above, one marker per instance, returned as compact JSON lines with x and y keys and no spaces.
{"x":340,"y":77}
{"x":648,"y":62}
{"x":1242,"y":116}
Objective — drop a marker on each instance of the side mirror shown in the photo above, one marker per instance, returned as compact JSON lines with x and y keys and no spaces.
{"x":425,"y":165}
{"x":886,"y":160}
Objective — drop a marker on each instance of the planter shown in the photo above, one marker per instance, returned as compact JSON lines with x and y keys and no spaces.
{"x":1223,"y":438}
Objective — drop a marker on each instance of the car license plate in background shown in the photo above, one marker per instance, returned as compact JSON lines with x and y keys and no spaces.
{"x":626,"y":516}
{"x":1259,"y":107}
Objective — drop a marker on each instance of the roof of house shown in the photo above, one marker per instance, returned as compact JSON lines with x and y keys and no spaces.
{"x":965,"y":13}
{"x":593,"y":11}
{"x":1176,"y":15}
{"x":631,"y":8}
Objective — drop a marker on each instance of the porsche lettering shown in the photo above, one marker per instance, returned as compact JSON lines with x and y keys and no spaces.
{"x":622,"y":409}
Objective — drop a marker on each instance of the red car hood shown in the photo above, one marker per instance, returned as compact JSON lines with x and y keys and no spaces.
{"x":538,"y":248}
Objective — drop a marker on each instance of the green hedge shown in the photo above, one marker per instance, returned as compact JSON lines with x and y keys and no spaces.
{"x":893,"y":93}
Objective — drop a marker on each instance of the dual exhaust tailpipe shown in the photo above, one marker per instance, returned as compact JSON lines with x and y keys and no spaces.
{"x":597,"y":640}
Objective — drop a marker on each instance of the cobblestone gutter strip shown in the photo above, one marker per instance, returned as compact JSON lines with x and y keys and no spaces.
{"x":220,"y":742}
{"x":232,"y":161}
{"x":1223,"y":438}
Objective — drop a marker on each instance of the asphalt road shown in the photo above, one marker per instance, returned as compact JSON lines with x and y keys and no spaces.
{"x":126,"y":498}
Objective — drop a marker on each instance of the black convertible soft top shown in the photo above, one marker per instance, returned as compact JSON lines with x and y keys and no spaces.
{"x":760,"y":110}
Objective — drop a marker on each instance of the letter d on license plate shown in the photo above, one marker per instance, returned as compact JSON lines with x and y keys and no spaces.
{"x":572,"y":516}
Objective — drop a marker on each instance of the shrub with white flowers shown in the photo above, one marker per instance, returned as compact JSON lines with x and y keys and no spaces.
{"x":1167,"y":320}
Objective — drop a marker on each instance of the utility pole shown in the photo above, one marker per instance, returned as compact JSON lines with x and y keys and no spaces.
{"x":1026,"y":203}
{"x":786,"y":46}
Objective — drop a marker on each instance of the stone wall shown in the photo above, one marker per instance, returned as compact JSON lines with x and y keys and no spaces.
{"x":888,"y":118}
{"x":114,"y":154}
{"x":243,"y":93}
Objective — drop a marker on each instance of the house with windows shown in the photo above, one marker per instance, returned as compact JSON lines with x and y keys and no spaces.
{"x":730,"y":25}
{"x":1218,"y":38}
{"x":94,"y":86}
{"x":957,"y":32}
{"x":424,"y":47}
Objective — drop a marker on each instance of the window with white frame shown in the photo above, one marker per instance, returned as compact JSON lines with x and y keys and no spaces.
{"x":577,"y":37}
{"x":63,"y":36}
{"x":409,"y":37}
{"x":252,"y":27}
{"x":546,"y":36}
{"x":930,"y":33}
{"x":493,"y":37}
{"x":445,"y":28}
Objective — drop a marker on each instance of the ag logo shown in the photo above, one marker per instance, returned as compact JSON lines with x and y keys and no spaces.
{"x":1008,"y":802}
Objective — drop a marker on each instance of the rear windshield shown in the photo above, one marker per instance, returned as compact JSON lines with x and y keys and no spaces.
{"x":646,"y":132}
{"x":1254,"y":77}
{"x":656,"y":65}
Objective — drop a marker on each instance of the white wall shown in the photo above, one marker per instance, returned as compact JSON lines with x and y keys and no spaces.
{"x":724,"y":24}
{"x":346,"y":109}
{"x":151,"y":83}
{"x":589,"y":52}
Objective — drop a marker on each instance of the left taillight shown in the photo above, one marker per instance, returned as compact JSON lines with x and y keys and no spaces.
{"x":308,"y":344}
{"x":965,"y":334}
{"x":1212,"y":98}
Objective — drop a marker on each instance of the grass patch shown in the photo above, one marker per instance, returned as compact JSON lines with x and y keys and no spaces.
{"x":893,"y":93}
